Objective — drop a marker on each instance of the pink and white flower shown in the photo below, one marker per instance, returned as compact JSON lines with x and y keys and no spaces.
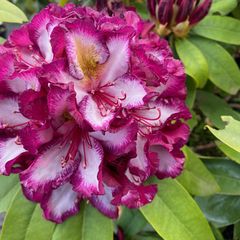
{"x":91,"y":106}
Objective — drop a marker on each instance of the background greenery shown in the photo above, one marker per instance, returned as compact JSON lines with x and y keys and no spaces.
{"x":201,"y":204}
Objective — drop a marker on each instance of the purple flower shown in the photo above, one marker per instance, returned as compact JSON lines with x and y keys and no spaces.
{"x":177,"y":16}
{"x":91,"y":106}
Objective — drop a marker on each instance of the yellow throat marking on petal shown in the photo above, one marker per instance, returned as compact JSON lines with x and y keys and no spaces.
{"x":88,"y":59}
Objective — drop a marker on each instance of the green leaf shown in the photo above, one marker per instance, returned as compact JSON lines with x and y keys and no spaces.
{"x":38,"y":227}
{"x":132,"y":221}
{"x":191,"y":92}
{"x":230,"y":135}
{"x":217,"y":233}
{"x":192,"y":123}
{"x":227,"y":175}
{"x":223,"y":7}
{"x":10,"y":13}
{"x":146,"y":236}
{"x":24,"y":221}
{"x":89,"y":224}
{"x":1,"y":40}
{"x":214,"y":107}
{"x":141,"y":8}
{"x":229,"y":152}
{"x":17,"y":218}
{"x":219,"y":28}
{"x":195,"y":177}
{"x":95,"y":226}
{"x":223,"y":70}
{"x":9,"y":187}
{"x":195,"y":63}
{"x":174,"y":214}
{"x":236,"y":12}
{"x":220,"y":210}
{"x":7,"y":199}
{"x":7,"y":183}
{"x":236,"y":232}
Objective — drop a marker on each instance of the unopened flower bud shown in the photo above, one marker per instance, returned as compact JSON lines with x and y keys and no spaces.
{"x":177,"y":16}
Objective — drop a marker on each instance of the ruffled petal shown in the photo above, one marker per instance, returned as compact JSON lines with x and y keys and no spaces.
{"x":59,"y":101}
{"x":129,"y":91}
{"x":58,"y":42}
{"x":84,"y":48}
{"x":117,"y":139}
{"x":140,"y":165}
{"x":9,"y":152}
{"x":117,"y":63}
{"x":175,"y":85}
{"x":93,"y":116}
{"x":103,"y":203}
{"x":177,"y":133}
{"x":57,"y":73}
{"x":169,"y":163}
{"x":9,"y":113}
{"x":87,"y":180}
{"x":34,"y":195}
{"x":33,"y":136}
{"x":39,"y":33}
{"x":20,"y":37}
{"x":20,"y":82}
{"x":171,"y":109}
{"x":48,"y":171}
{"x":7,"y":66}
{"x":33,"y":105}
{"x":133,"y":196}
{"x":62,"y":203}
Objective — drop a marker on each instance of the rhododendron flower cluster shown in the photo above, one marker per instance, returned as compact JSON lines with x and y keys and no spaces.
{"x":91,"y":106}
{"x":177,"y":16}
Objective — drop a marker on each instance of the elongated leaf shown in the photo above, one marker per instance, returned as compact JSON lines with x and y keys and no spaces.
{"x":220,"y":210}
{"x":7,"y":199}
{"x":195,"y":177}
{"x":214,"y":107}
{"x":227,"y":174}
{"x":6,"y":184}
{"x":146,"y":236}
{"x":175,"y":215}
{"x":229,"y":152}
{"x":9,"y":186}
{"x":17,"y":218}
{"x":236,"y":12}
{"x":1,"y":40}
{"x":236,"y":233}
{"x":141,"y":8}
{"x":223,"y":7}
{"x":132,"y":221}
{"x":38,"y":227}
{"x":95,"y":226}
{"x":70,"y":229}
{"x":223,"y":70}
{"x":192,"y":123}
{"x":217,"y":234}
{"x":10,"y":13}
{"x":195,"y":63}
{"x":219,"y":28}
{"x":24,"y":221}
{"x":191,"y":92}
{"x":230,"y":134}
